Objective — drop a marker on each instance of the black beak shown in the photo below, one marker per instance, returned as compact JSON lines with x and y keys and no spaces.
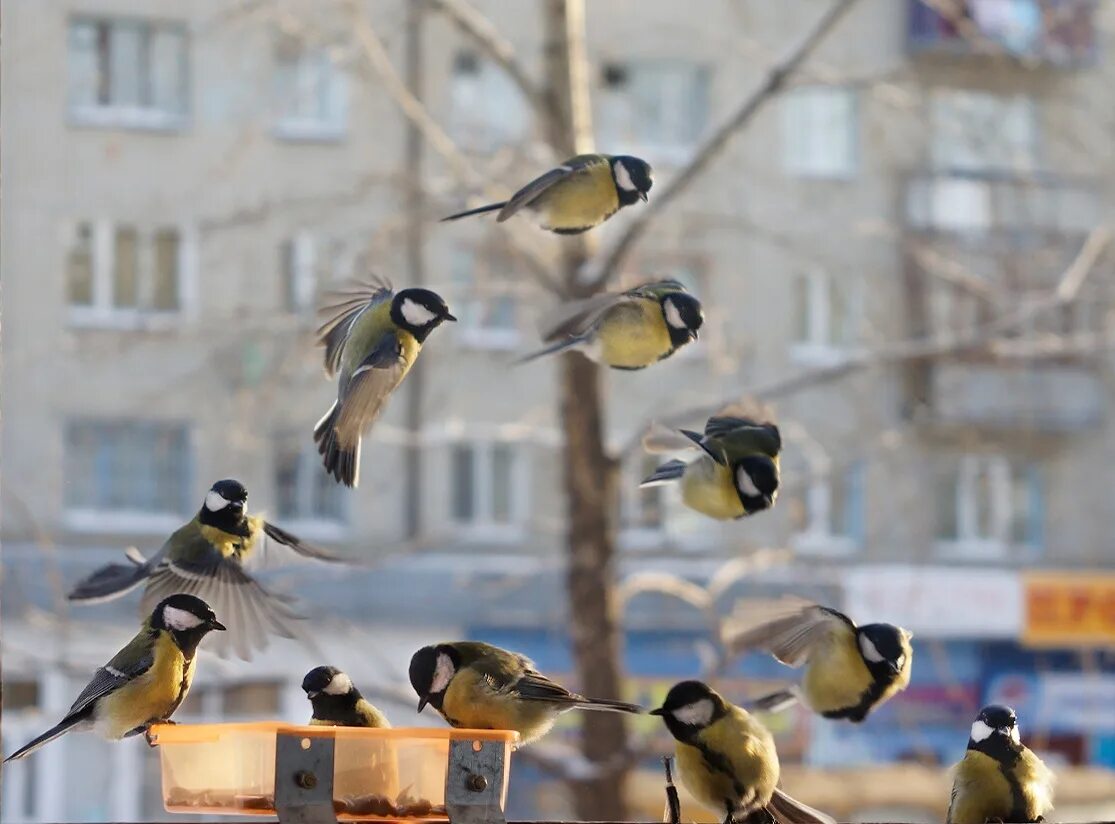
{"x":643,"y":197}
{"x":448,"y":316}
{"x":693,"y":334}
{"x":217,"y":625}
{"x":422,"y":702}
{"x":312,"y":693}
{"x":659,"y":711}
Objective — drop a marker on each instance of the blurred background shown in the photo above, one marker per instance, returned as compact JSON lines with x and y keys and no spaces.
{"x":902,"y":252}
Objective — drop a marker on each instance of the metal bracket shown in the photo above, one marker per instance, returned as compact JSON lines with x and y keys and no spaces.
{"x":474,"y":782}
{"x":304,"y":779}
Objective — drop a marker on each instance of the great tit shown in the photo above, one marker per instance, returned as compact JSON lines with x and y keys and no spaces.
{"x":849,"y":669}
{"x":146,"y":681}
{"x":372,"y":337}
{"x":478,"y":686}
{"x":626,"y":330}
{"x":206,"y":557}
{"x":999,"y":779}
{"x":337,"y":703}
{"x":581,"y":193}
{"x":737,"y":472}
{"x":726,"y":758}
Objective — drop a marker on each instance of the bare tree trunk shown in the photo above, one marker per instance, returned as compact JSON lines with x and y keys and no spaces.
{"x":590,"y":483}
{"x":416,"y":266}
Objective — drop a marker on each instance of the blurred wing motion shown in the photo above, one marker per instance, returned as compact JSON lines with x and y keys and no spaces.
{"x":347,"y":305}
{"x":787,"y":810}
{"x":788,"y":629}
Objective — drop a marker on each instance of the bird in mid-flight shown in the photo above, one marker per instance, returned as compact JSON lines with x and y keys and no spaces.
{"x":207,"y":558}
{"x":737,"y":472}
{"x":372,"y":336}
{"x":479,"y":686}
{"x":145,"y":682}
{"x":626,"y":330}
{"x":578,"y":195}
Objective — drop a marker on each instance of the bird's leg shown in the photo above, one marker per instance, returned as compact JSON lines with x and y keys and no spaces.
{"x":147,"y":736}
{"x":729,"y":818}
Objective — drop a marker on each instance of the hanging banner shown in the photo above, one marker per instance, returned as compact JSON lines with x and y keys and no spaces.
{"x":1069,"y":609}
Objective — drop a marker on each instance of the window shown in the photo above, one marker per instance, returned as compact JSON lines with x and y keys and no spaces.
{"x":485,"y":299}
{"x":981,"y":132}
{"x":829,"y":515}
{"x":129,"y":73}
{"x":124,"y":275}
{"x":311,"y":93}
{"x":644,"y":510}
{"x":299,"y":284}
{"x":658,"y":108}
{"x":486,"y":109}
{"x":828,"y":314}
{"x":820,"y":133}
{"x":489,"y":487}
{"x":987,"y":503}
{"x":303,"y":490}
{"x":127,"y":474}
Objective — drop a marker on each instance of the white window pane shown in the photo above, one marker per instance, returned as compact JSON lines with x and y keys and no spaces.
{"x":79,"y":266}
{"x":820,"y":132}
{"x":127,"y":64}
{"x":168,"y":69}
{"x":165,"y":285}
{"x":976,"y":131}
{"x":125,"y":271}
{"x":462,"y":474}
{"x":486,"y":108}
{"x":84,"y":64}
{"x":502,"y":482}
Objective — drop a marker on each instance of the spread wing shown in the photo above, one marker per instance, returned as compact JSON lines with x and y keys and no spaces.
{"x":277,"y":535}
{"x":241,"y":603}
{"x":130,"y":662}
{"x":529,"y":193}
{"x":576,"y":318}
{"x":763,"y":437}
{"x":366,"y":391}
{"x":788,"y":629}
{"x":344,"y":308}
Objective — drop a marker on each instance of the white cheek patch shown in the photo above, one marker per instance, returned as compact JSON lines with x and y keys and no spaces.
{"x":1015,"y":735}
{"x":215,"y":501}
{"x":443,"y":674}
{"x":870,"y":652}
{"x":900,"y":662}
{"x":623,"y":177}
{"x":180,"y":619}
{"x":746,"y":485}
{"x":340,"y":685}
{"x":980,"y":731}
{"x":416,"y":314}
{"x":673,"y":316}
{"x":697,"y":714}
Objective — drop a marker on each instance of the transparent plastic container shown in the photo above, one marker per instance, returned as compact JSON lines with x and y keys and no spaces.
{"x":396,"y":774}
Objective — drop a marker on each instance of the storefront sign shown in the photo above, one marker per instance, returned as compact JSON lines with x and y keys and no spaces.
{"x":1069,"y":609}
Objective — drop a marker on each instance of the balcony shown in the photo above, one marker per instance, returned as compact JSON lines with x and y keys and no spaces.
{"x":979,"y":250}
{"x":1056,"y":33}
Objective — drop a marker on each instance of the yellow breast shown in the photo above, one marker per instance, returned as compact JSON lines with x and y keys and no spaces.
{"x":152,"y":696}
{"x":581,"y":201}
{"x":708,"y":488}
{"x":471,"y":703}
{"x":634,"y":335}
{"x":836,"y":676}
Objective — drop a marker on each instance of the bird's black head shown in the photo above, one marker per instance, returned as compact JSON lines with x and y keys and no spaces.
{"x":419,"y":311}
{"x":330,"y":691}
{"x":885,"y":648}
{"x":187,"y":618}
{"x":224,"y":507}
{"x":690,"y":706}
{"x":633,"y":177}
{"x":431,"y":670}
{"x":756,"y":480}
{"x":684,"y":317}
{"x":995,"y":733}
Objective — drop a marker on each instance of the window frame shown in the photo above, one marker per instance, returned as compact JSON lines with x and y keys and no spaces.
{"x":308,"y":466}
{"x":797,"y":118}
{"x":822,"y":347}
{"x":131,"y":117}
{"x":483,"y":527}
{"x":472,"y":301}
{"x":480,"y":133}
{"x":1000,"y":544}
{"x":309,"y":129}
{"x":817,"y":537}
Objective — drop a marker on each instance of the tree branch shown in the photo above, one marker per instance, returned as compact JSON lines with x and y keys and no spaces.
{"x":603,"y":266}
{"x":479,"y":29}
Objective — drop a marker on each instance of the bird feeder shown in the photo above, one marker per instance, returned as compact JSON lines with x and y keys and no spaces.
{"x":321,"y":775}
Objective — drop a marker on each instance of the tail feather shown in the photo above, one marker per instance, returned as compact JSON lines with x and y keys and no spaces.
{"x":343,"y":463}
{"x":61,"y":728}
{"x":607,"y":705}
{"x":786,"y":810}
{"x":669,"y":471}
{"x":477,"y":211}
{"x":661,"y":438}
{"x":110,"y":582}
{"x":559,"y":346}
{"x":776,"y":701}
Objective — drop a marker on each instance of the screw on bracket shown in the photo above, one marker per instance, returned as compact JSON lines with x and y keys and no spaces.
{"x":305,"y":779}
{"x":477,"y":783}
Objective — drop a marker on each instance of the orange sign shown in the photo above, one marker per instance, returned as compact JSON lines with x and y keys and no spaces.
{"x":1069,"y":609}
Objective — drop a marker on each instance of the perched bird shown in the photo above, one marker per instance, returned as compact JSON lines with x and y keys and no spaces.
{"x":478,"y":686}
{"x":849,"y":670}
{"x":626,"y":330}
{"x":999,"y":779}
{"x":207,"y":557}
{"x":737,"y":473}
{"x":146,"y":681}
{"x":372,"y":337}
{"x":578,"y":195}
{"x":726,"y":758}
{"x":337,"y":703}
